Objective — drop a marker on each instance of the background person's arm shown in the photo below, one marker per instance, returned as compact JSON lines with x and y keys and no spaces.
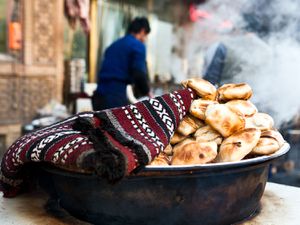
{"x":139,"y":71}
{"x":214,"y":63}
{"x":141,"y":83}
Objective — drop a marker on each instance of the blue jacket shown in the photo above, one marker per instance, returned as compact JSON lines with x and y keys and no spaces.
{"x":120,"y":58}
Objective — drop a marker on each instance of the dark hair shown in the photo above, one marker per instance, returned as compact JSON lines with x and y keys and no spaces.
{"x":138,"y":24}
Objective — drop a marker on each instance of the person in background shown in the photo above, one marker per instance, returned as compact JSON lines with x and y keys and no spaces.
{"x":124,"y":63}
{"x":214,"y":63}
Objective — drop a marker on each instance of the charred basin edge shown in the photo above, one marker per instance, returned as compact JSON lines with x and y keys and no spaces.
{"x":180,"y":170}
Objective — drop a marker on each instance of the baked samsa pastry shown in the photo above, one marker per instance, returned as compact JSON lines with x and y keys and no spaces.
{"x":270,"y":141}
{"x":202,"y":87}
{"x":223,"y":119}
{"x":228,"y":92}
{"x":242,"y":107}
{"x":261,"y":121}
{"x":179,"y":146}
{"x":238,"y":145}
{"x":168,"y":150}
{"x":189,"y":125}
{"x":177,"y":137}
{"x":195,"y":153}
{"x":266,"y":146}
{"x":274,"y":134}
{"x":161,"y":160}
{"x":208,"y":134}
{"x":198,"y":107}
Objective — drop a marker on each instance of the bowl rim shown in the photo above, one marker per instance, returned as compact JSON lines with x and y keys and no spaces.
{"x":245,"y":162}
{"x":192,"y":168}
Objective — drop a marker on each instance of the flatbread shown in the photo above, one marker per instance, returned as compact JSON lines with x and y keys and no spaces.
{"x":266,"y":146}
{"x":223,"y":119}
{"x":274,"y":134}
{"x":161,"y":160}
{"x":208,"y":134}
{"x":179,"y":146}
{"x":177,"y":137}
{"x":189,"y":125}
{"x":242,"y":107}
{"x":198,"y":107}
{"x":195,"y":153}
{"x":229,"y":92}
{"x":203,"y":88}
{"x":238,"y":145}
{"x":168,"y":150}
{"x":260,"y":121}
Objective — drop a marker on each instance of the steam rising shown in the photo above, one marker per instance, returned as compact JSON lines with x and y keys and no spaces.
{"x":271,"y":64}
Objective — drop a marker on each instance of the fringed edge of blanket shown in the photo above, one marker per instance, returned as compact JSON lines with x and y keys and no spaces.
{"x":107,"y":161}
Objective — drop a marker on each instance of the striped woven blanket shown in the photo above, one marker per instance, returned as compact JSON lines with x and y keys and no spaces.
{"x":111,"y":143}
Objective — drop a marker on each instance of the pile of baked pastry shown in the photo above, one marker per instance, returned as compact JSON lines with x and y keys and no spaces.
{"x":222,"y":126}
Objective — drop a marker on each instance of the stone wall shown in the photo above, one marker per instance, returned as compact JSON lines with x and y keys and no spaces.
{"x":30,"y":82}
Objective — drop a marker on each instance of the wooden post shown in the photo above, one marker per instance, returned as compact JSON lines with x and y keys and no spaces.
{"x":93,"y":43}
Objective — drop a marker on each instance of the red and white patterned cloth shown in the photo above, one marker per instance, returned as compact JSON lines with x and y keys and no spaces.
{"x":111,"y":143}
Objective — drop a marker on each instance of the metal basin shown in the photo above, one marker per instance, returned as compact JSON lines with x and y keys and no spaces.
{"x":220,"y":193}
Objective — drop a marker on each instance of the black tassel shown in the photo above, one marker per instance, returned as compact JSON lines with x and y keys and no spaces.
{"x":107,"y":161}
{"x":83,"y":124}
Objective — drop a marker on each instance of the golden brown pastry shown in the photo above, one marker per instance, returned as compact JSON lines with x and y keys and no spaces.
{"x":261,"y":121}
{"x":270,"y":141}
{"x":161,"y":160}
{"x":242,"y":107}
{"x":189,"y":125}
{"x":238,"y":145}
{"x":179,"y":146}
{"x":223,"y":119}
{"x":177,"y":137}
{"x":198,"y":107}
{"x":234,"y":91}
{"x":266,"y":146}
{"x":208,"y":134}
{"x":195,"y":153}
{"x":202,"y":87}
{"x":274,"y":134}
{"x":168,"y":150}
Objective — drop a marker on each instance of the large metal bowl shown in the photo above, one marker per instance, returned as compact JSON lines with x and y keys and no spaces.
{"x":220,"y":193}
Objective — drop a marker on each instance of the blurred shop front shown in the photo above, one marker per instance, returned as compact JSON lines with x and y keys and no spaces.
{"x":31,"y":61}
{"x":169,"y":56}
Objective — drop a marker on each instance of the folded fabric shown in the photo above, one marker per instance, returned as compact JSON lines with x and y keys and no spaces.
{"x":111,"y":143}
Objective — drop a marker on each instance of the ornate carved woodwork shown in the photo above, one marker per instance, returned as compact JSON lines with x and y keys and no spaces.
{"x":31,"y":82}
